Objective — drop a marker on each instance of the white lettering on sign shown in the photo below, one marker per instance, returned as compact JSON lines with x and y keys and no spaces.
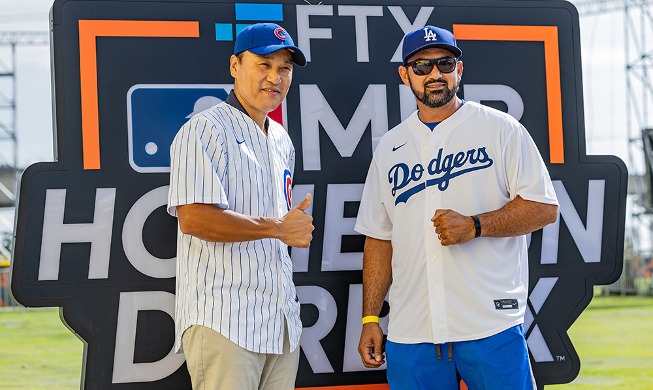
{"x":311,"y":336}
{"x":315,"y":110}
{"x":305,"y":32}
{"x":132,"y":236}
{"x":361,"y":13}
{"x":336,"y":226}
{"x":536,"y":342}
{"x":299,"y":256}
{"x":97,"y":233}
{"x":124,"y":368}
{"x":496,"y":92}
{"x":586,"y":237}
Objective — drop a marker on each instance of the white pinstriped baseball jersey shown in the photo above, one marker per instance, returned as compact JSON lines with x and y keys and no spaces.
{"x":242,"y":290}
{"x":475,"y":161}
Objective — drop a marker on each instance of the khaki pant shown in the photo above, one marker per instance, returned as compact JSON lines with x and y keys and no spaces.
{"x":215,"y":363}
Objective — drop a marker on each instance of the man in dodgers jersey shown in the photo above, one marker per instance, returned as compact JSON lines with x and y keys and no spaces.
{"x":237,"y":312}
{"x":449,"y":197}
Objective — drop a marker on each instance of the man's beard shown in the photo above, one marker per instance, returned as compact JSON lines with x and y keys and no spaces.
{"x":435,"y":99}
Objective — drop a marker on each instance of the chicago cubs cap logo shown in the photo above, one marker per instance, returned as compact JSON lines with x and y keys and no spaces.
{"x":287,"y":183}
{"x":280,"y":33}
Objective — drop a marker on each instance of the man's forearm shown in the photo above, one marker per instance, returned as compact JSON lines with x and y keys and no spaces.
{"x":377,"y":274}
{"x":517,"y":217}
{"x":211,"y":223}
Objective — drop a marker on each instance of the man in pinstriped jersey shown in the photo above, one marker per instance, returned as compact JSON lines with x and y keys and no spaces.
{"x":237,"y":312}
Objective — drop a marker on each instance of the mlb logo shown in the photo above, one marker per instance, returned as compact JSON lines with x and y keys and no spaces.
{"x":156,"y":112}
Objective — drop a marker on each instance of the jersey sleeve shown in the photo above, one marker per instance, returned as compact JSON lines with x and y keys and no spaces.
{"x":373,"y":220}
{"x":197,"y":157}
{"x":527,"y":174}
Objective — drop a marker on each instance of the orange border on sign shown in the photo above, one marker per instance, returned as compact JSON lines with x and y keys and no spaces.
{"x":89,"y":30}
{"x":548,"y":35}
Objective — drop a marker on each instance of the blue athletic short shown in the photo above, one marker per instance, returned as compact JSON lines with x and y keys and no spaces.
{"x":497,"y":362}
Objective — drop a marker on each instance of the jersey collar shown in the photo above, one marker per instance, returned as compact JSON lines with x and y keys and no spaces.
{"x":233,"y":101}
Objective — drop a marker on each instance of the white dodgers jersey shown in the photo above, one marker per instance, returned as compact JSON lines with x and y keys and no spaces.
{"x":475,"y":161}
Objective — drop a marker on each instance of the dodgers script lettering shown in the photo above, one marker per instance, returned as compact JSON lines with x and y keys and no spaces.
{"x":445,"y":168}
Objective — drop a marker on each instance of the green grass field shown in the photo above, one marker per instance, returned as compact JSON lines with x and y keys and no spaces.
{"x":613,"y":337}
{"x":37,"y":351}
{"x":614,"y":340}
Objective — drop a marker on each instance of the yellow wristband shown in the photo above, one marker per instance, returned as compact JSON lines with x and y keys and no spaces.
{"x":367,"y":319}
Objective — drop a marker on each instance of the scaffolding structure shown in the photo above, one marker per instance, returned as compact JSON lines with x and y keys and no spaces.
{"x":638,"y":48}
{"x":8,"y":43}
{"x":9,"y":169}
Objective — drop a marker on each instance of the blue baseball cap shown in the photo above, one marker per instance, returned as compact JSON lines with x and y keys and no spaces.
{"x":266,"y":38}
{"x":429,"y":36}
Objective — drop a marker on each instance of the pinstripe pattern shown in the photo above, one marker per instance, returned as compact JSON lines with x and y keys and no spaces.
{"x":243,"y":290}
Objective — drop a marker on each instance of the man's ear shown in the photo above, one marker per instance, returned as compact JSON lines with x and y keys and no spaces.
{"x":403,"y":73}
{"x":233,"y":65}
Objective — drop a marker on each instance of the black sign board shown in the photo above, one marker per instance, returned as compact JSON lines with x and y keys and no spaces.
{"x":92,"y":233}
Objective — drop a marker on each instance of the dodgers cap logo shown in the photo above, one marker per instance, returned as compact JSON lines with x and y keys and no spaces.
{"x":429,"y":36}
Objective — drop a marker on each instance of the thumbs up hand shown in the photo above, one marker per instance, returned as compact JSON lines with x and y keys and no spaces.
{"x":296,"y":227}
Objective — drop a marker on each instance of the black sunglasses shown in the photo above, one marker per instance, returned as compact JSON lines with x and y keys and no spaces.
{"x":424,"y":67}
